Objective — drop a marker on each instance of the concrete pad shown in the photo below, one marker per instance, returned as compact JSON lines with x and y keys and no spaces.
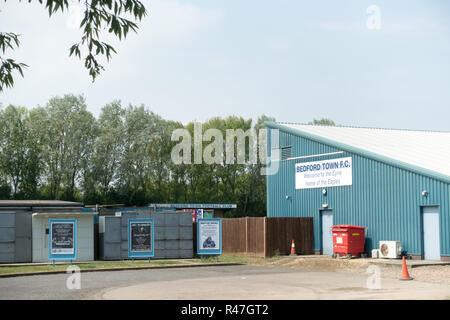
{"x":410,"y":263}
{"x":293,"y":285}
{"x":387,"y":262}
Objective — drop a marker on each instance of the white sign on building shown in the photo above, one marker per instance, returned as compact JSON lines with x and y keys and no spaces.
{"x":323,"y":174}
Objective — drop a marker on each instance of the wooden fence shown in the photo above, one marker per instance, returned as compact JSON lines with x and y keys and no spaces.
{"x":266,"y":236}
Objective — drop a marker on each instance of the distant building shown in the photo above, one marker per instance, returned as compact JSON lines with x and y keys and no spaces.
{"x":208,"y":210}
{"x":396,"y":183}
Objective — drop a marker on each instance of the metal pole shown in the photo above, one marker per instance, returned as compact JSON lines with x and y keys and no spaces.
{"x":217,"y":258}
{"x":202,"y":258}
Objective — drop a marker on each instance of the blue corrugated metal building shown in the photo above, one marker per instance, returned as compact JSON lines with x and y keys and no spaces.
{"x":396,"y":183}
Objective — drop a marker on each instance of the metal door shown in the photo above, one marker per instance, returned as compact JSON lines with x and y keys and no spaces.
{"x":112,"y":238}
{"x":327,"y":236}
{"x":23,"y":237}
{"x":431,"y":239}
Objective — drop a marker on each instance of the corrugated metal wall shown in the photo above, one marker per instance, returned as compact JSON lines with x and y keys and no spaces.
{"x":15,"y":235}
{"x":385,"y":199}
{"x":173,"y":235}
{"x":7,"y":236}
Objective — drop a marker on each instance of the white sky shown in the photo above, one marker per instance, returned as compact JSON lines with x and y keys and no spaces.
{"x":294,"y":60}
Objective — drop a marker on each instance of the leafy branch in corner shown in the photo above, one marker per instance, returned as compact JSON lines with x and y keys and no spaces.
{"x":99,"y":15}
{"x":9,"y":40}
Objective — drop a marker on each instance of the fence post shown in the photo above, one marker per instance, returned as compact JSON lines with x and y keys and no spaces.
{"x":246,"y":235}
{"x":265,"y":237}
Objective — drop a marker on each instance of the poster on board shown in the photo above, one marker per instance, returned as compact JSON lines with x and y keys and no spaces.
{"x":140,"y":238}
{"x":209,"y":236}
{"x":63,"y":235}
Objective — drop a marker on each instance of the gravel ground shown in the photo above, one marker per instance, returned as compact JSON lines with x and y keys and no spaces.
{"x":432,"y":274}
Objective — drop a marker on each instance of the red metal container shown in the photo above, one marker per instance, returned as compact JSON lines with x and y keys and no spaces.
{"x":348,"y":240}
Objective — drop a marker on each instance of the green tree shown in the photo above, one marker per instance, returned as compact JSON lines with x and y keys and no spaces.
{"x":20,"y":153}
{"x":134,"y":170}
{"x":61,"y":151}
{"x":70,"y":133}
{"x":253,"y":190}
{"x":99,"y":15}
{"x":102,"y":171}
{"x":160,"y":166}
{"x":225,"y":182}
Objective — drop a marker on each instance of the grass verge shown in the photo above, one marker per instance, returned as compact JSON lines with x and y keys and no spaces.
{"x":92,"y":266}
{"x":120,"y":264}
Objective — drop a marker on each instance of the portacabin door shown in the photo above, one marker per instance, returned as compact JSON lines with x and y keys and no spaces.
{"x":431,"y":237}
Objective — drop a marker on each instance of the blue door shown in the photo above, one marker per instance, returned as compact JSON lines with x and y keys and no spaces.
{"x":327,"y":236}
{"x":431,"y":239}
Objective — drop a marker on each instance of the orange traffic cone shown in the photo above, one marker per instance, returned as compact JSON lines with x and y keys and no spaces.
{"x":405,"y":273}
{"x":293,"y":248}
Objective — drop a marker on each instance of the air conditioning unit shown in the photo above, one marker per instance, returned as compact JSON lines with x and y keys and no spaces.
{"x":390,"y":249}
{"x":375,"y":254}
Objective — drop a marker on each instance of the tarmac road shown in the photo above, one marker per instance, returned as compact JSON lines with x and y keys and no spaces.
{"x":218,"y":282}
